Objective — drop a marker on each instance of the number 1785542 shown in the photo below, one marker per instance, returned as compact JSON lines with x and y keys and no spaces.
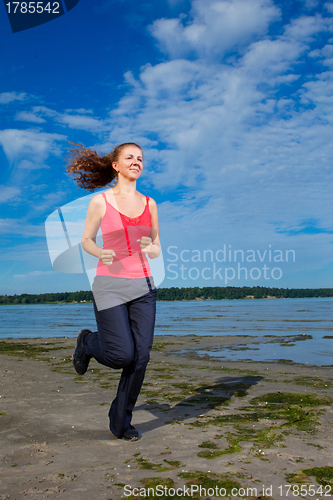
{"x":304,"y":490}
{"x":32,"y":7}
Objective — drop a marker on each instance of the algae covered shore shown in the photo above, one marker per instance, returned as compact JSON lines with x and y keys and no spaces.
{"x":210,"y":428}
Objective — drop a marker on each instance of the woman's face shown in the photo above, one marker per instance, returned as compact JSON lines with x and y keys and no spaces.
{"x":129,"y":163}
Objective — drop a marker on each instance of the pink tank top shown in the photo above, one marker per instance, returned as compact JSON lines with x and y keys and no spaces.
{"x":120,"y":233}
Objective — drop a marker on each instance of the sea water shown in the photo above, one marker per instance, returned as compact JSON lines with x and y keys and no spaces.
{"x":288,"y":319}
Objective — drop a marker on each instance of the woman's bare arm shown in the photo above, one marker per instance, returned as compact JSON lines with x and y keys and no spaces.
{"x":151,"y":245}
{"x":95,"y":212}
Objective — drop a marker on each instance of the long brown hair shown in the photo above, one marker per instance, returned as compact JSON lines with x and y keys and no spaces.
{"x":90,"y":170}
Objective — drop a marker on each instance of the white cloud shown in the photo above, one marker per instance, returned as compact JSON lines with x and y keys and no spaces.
{"x":304,"y":28}
{"x":329,"y":7}
{"x":81,"y":111}
{"x":31,"y":165}
{"x":254,"y":155}
{"x":29,"y":117}
{"x":75,"y":119}
{"x":319,"y":92}
{"x":311,"y":4}
{"x":12,"y":227}
{"x":174,"y":78}
{"x":324,"y":55}
{"x":245,"y":139}
{"x":81,"y":122}
{"x":7,"y":97}
{"x":29,"y":144}
{"x":45,"y":111}
{"x":43,"y":200}
{"x":8,"y":193}
{"x":34,"y":274}
{"x":216,"y":27}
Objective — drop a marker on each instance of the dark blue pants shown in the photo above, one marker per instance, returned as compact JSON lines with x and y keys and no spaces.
{"x":124,"y":340}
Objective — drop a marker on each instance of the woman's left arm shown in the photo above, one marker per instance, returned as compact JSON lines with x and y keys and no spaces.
{"x":151,"y":245}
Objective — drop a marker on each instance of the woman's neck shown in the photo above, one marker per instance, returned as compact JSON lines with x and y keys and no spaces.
{"x":125,"y":188}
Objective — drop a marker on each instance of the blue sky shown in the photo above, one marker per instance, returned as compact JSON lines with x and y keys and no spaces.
{"x":232,"y":103}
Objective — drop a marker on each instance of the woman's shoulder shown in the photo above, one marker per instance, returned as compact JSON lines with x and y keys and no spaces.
{"x":152,"y":202}
{"x":97,"y":204}
{"x":152,"y":206}
{"x":98,"y":200}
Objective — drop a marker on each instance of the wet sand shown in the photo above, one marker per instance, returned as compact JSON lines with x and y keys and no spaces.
{"x":204,"y":423}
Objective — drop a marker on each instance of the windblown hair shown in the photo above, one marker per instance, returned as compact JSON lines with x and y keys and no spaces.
{"x":90,"y":170}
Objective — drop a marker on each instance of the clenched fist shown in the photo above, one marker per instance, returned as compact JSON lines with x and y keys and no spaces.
{"x":145,"y":244}
{"x":107,"y":256}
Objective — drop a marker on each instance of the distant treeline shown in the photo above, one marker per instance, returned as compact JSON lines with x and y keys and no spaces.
{"x":196,"y":293}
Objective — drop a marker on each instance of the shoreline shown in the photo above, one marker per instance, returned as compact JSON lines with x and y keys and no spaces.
{"x":248,"y":297}
{"x":203,"y":422}
{"x":172,"y":294}
{"x":237,"y":348}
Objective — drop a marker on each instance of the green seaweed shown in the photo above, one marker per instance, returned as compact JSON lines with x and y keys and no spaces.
{"x":233,"y":448}
{"x":318,"y":446}
{"x":298,"y":410}
{"x":208,"y":444}
{"x":26,"y":350}
{"x":143,"y":463}
{"x":159,"y":346}
{"x":283,"y":410}
{"x":268,"y":437}
{"x":323,"y":475}
{"x":175,"y":464}
{"x":183,"y":385}
{"x":283,"y":399}
{"x":314,"y":382}
{"x":209,"y":480}
{"x":297,"y":478}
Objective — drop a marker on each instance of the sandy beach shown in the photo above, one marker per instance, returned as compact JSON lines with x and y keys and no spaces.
{"x":247,"y":429}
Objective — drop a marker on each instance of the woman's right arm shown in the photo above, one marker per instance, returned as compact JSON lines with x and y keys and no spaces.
{"x":93,"y":221}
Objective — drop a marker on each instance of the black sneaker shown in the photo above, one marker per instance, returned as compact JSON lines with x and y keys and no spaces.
{"x":131,"y":434}
{"x":80,"y":358}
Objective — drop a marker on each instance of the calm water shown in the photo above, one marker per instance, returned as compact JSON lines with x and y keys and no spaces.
{"x":285,"y":318}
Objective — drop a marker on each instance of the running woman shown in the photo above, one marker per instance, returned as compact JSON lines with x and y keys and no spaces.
{"x":123,"y":290}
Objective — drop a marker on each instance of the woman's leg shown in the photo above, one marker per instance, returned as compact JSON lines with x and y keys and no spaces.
{"x":141,"y":315}
{"x":113,"y":344}
{"x":124,"y":340}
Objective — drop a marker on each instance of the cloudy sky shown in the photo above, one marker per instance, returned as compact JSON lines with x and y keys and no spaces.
{"x":232,"y":103}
